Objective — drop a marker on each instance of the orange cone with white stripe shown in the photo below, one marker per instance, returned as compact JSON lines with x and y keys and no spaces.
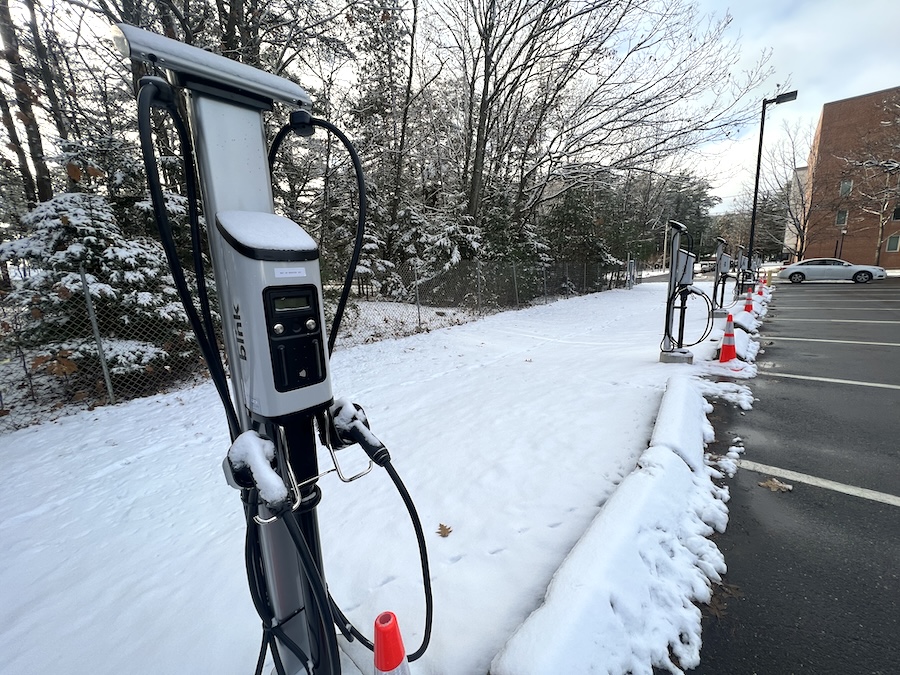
{"x":390,"y":655}
{"x":760,"y":289}
{"x":748,"y":303}
{"x":728,"y":352}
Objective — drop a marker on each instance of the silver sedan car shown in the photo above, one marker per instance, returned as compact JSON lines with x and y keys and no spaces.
{"x":830,"y":269}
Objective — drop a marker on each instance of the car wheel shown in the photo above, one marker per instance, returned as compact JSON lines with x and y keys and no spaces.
{"x":796,"y":277}
{"x":862,"y":277}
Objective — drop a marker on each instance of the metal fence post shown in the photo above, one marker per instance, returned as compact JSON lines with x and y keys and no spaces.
{"x":477,"y":285}
{"x":515,"y":284}
{"x":544,"y":270}
{"x":93,"y":318}
{"x":418,"y":304}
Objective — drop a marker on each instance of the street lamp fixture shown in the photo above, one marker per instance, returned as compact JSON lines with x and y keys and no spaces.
{"x":781,"y":98}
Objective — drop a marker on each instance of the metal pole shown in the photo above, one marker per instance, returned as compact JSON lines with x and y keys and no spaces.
{"x":739,"y":285}
{"x":515,"y":284}
{"x":93,"y":318}
{"x":683,"y":296}
{"x":477,"y":286}
{"x":665,"y":245}
{"x":762,"y":125}
{"x":720,"y":249}
{"x":781,"y":98}
{"x":418,"y":305}
{"x":544,"y":270}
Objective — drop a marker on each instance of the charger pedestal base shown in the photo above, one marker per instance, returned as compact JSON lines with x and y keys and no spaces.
{"x":677,"y":356}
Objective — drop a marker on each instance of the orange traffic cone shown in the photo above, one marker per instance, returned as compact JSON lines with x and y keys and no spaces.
{"x":759,"y":287}
{"x":748,"y":303}
{"x":728,"y":351}
{"x":390,"y":655}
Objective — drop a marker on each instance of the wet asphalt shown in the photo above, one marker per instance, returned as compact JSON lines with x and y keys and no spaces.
{"x":813,"y":581}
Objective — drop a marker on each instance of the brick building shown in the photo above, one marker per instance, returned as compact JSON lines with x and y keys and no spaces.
{"x":853,"y":181}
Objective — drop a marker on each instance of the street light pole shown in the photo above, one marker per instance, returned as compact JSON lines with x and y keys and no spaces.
{"x":781,"y":98}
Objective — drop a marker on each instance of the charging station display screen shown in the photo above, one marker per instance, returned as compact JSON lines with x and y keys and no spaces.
{"x":296,"y":341}
{"x":290,"y":303}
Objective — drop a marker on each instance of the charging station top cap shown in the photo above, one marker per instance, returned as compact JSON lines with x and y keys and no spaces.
{"x":266,"y":236}
{"x":142,"y":45}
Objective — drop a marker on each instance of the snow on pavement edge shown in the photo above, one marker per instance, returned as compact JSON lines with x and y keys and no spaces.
{"x":650,"y":537}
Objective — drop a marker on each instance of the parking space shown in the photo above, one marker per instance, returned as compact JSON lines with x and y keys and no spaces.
{"x":830,"y":380}
{"x":813,"y":581}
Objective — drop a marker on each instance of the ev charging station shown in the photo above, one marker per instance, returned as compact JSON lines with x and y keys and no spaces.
{"x":723,"y":267}
{"x":744,"y":275}
{"x":630,"y":273}
{"x":681,"y":276}
{"x":272,"y":311}
{"x":681,"y":286}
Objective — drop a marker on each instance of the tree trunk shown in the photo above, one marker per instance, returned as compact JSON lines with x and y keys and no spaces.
{"x":43,"y":64}
{"x":399,"y":159}
{"x":16,"y":146}
{"x":24,"y":96}
{"x":481,"y":133}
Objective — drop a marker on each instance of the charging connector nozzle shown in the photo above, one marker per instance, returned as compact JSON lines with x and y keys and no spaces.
{"x":349,"y":425}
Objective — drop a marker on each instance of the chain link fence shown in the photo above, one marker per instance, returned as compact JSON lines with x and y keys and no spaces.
{"x":88,"y":354}
{"x":81,"y":363}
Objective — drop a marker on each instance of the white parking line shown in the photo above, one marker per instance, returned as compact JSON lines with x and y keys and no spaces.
{"x":838,"y":320}
{"x":839,"y":342}
{"x":865,"y":493}
{"x":830,"y":379}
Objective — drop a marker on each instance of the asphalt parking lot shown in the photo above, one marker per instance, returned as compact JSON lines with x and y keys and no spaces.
{"x":813,"y":583}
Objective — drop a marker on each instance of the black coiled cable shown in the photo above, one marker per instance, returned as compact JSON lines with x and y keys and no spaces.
{"x":156,"y":92}
{"x":670,"y":302}
{"x":302,"y":123}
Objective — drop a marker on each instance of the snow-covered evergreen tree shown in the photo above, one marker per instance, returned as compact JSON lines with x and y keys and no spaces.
{"x":143,"y":327}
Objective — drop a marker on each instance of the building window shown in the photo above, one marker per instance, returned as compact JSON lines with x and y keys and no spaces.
{"x":846,"y":186}
{"x":893,"y":243}
{"x":841,"y":217}
{"x":896,"y":215}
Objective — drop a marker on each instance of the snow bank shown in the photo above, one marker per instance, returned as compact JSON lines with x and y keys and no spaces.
{"x":647,"y":548}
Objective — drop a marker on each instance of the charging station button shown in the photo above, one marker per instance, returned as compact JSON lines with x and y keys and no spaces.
{"x":295,"y":337}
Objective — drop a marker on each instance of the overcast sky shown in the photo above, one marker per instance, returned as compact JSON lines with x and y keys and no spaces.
{"x":828,"y":50}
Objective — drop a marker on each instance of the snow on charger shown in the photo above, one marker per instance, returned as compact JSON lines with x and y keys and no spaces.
{"x":253,"y":452}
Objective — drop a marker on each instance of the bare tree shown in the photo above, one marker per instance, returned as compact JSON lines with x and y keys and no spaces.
{"x":875,"y":173}
{"x":25,"y":95}
{"x":784,"y":192}
{"x":558,"y":89}
{"x":878,"y":193}
{"x":15,"y":146}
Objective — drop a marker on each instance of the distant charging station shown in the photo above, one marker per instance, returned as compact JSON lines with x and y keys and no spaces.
{"x":722,"y":274}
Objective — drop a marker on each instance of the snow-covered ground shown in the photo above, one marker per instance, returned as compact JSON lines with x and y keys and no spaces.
{"x":578,"y":522}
